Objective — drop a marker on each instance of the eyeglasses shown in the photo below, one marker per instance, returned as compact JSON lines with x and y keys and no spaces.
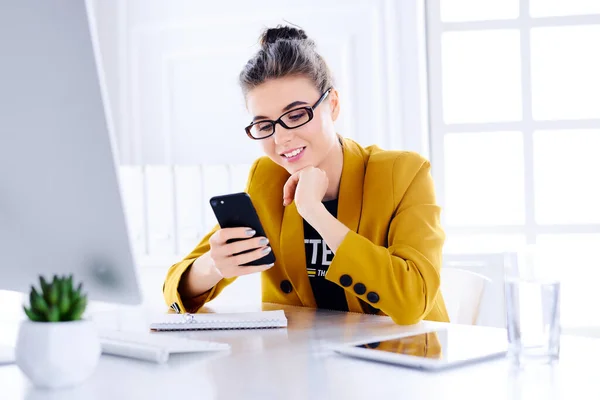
{"x":290,"y":120}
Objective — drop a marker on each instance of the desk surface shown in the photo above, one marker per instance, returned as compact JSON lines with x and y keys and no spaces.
{"x":295,"y":363}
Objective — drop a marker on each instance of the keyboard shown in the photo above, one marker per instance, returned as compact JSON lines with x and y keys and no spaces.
{"x":153,"y":347}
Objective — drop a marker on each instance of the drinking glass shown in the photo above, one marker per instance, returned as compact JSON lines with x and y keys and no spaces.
{"x":532,"y":296}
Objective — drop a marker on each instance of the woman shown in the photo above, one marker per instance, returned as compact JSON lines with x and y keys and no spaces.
{"x":352,"y":228}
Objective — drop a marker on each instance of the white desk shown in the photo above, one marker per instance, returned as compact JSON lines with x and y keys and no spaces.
{"x":294,"y":363}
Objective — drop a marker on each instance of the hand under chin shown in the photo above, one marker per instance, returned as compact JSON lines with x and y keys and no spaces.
{"x":292,"y":169}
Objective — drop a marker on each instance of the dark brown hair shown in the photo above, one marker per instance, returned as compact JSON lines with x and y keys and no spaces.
{"x":285,"y":51}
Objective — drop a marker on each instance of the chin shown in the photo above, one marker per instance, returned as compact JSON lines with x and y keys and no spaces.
{"x":291,"y":169}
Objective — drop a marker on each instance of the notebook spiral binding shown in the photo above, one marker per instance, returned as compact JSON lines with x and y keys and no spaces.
{"x":246,"y":326}
{"x":189,"y":321}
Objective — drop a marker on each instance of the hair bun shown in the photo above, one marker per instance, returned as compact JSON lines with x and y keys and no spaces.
{"x":281,"y":32}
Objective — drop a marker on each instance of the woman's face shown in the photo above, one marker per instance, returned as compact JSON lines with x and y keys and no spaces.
{"x":308,"y":145}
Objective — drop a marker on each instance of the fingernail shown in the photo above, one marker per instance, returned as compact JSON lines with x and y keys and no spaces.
{"x":263,"y":241}
{"x":250,"y":232}
{"x":266,"y":250}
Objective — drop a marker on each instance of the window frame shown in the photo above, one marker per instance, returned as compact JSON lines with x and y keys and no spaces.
{"x":438,"y":129}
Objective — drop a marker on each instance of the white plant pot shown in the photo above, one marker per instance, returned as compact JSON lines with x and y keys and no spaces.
{"x":57,"y":354}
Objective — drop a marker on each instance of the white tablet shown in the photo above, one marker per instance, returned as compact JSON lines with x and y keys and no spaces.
{"x":444,"y":348}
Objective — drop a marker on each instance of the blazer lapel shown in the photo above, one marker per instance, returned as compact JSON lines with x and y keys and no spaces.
{"x":350,"y":199}
{"x":351,"y":186}
{"x":294,"y":256}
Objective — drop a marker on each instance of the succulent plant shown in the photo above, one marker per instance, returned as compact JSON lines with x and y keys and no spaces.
{"x":56,"y":301}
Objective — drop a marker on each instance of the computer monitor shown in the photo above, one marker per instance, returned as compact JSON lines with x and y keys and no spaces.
{"x":60,"y":201}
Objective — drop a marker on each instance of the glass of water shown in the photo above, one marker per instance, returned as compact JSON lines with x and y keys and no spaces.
{"x":532,"y":296}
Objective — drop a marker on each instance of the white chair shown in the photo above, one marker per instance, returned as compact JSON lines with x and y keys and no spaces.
{"x":462,"y":291}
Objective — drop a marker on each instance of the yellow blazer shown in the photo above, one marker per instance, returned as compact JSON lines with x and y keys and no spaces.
{"x":389,"y":263}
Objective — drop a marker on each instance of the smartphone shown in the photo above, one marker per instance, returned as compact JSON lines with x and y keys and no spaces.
{"x":236,"y":210}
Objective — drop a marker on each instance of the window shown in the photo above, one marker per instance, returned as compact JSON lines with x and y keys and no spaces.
{"x":515,"y":125}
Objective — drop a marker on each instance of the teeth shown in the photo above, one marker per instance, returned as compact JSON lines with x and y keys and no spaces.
{"x":293,"y":153}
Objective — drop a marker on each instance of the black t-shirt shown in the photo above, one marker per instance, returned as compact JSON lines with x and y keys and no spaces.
{"x":318,"y":257}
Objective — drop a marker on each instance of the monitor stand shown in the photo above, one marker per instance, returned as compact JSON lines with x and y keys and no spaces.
{"x":7,"y":355}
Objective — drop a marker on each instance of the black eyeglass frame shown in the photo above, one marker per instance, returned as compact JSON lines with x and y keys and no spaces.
{"x":310,"y":110}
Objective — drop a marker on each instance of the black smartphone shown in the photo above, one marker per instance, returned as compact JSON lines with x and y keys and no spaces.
{"x":236,"y":210}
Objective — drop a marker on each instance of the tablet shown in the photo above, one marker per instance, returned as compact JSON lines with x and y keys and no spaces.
{"x":433,"y":350}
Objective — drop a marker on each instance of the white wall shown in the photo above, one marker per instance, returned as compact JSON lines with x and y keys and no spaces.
{"x":171,"y":71}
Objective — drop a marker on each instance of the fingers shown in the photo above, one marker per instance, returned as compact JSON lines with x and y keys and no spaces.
{"x":220,"y":237}
{"x":289,"y":189}
{"x":226,"y":256}
{"x":250,"y":256}
{"x":252,"y":269}
{"x":243,"y":245}
{"x":232,"y":266}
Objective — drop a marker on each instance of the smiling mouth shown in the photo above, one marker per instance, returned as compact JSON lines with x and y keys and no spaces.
{"x":293,"y":153}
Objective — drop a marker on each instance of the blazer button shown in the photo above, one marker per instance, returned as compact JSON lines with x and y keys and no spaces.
{"x":373,"y":297}
{"x":286,"y":286}
{"x":346,"y":280}
{"x":359,"y":288}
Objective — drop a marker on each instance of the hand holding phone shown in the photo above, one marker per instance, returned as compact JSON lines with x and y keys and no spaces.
{"x":233,"y":259}
{"x":241,"y":241}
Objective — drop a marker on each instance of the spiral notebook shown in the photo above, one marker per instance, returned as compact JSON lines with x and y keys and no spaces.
{"x":246,"y":320}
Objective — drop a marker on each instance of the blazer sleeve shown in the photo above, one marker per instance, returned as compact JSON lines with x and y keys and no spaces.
{"x":175,"y":273}
{"x":402,"y":279}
